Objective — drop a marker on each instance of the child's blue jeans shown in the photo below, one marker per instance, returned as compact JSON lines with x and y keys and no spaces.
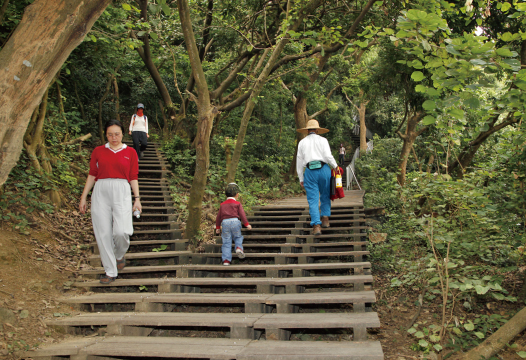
{"x":230,"y":230}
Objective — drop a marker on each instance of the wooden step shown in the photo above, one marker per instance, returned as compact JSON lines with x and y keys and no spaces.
{"x":291,"y":237}
{"x":312,"y":350}
{"x":153,"y":202}
{"x":138,"y":222}
{"x":283,"y":246}
{"x":332,"y":228}
{"x":295,"y":217}
{"x":210,"y":348}
{"x":264,"y":284}
{"x":175,"y":232}
{"x":178,"y":244}
{"x":271,"y":270}
{"x":143,"y":301}
{"x":148,"y":255}
{"x":141,"y":171}
{"x":303,"y":223}
{"x":241,"y":325}
{"x":302,"y":257}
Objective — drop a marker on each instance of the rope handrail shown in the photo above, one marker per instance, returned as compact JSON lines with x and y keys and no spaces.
{"x":350,"y":171}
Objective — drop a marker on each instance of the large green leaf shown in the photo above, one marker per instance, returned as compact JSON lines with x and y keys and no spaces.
{"x":472,"y":102}
{"x":417,"y":76}
{"x":481,"y":290}
{"x":429,"y":105}
{"x":504,"y":51}
{"x":457,"y":113}
{"x":428,"y":120}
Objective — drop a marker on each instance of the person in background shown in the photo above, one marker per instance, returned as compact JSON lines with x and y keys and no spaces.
{"x":139,"y":130}
{"x":314,"y":154}
{"x":229,"y":219}
{"x":341,"y":152}
{"x":114,"y":167}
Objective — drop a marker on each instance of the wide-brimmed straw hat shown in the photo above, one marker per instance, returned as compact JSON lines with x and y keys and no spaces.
{"x":313,"y":125}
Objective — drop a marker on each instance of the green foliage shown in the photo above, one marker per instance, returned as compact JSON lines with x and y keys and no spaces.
{"x":467,"y":334}
{"x":376,"y":171}
{"x":160,"y":248}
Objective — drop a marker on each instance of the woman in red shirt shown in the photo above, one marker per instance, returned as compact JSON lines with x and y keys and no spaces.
{"x":114,"y":167}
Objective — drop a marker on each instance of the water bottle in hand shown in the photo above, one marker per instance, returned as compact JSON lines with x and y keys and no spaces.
{"x":137,"y":214}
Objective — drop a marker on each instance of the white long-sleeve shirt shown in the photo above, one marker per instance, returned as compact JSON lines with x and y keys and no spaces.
{"x":139,"y":123}
{"x":313,"y":148}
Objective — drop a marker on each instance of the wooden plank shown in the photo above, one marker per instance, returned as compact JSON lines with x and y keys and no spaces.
{"x":341,"y":228}
{"x":295,"y":255}
{"x":308,"y":280}
{"x":345,"y":297}
{"x":312,"y":350}
{"x":318,"y":321}
{"x":157,"y":319}
{"x":163,"y":347}
{"x":341,"y":297}
{"x":67,"y":347}
{"x":279,"y":267}
{"x":149,"y":255}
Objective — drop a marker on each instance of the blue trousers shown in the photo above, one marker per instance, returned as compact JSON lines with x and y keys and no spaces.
{"x":230,"y":231}
{"x":317,"y":184}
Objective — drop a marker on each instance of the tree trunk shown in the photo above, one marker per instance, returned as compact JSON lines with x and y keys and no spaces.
{"x":43,"y":40}
{"x":101,"y":102}
{"x":80,"y":102}
{"x":430,"y":163}
{"x":205,"y":116}
{"x":33,"y":136}
{"x":260,"y":82}
{"x":61,"y":110}
{"x":499,"y":339}
{"x":3,"y":10}
{"x":468,"y":152}
{"x":146,"y":56}
{"x":363,"y":128}
{"x":409,"y":139}
{"x":117,"y":99}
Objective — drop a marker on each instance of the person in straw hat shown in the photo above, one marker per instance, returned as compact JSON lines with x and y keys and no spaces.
{"x":314,"y":155}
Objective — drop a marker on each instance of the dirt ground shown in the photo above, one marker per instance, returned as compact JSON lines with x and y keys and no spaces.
{"x":38,"y":267}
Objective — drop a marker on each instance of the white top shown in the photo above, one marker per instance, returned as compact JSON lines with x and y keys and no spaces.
{"x":342,"y":150}
{"x":313,"y":148}
{"x":139,"y":123}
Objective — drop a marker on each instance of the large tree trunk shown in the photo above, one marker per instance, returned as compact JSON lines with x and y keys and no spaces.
{"x":43,"y":40}
{"x":146,"y":56}
{"x":3,"y":10}
{"x":409,"y":139}
{"x":205,"y":115}
{"x":117,"y":99}
{"x":363,"y":127}
{"x":260,"y":82}
{"x":101,"y":102}
{"x":34,"y":143}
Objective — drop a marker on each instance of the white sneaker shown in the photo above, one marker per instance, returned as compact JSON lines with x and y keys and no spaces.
{"x":240,"y":253}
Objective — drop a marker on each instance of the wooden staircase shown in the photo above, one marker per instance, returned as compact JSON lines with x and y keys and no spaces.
{"x":294,"y":296}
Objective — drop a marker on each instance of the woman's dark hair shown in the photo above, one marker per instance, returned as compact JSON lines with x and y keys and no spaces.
{"x":111,"y":123}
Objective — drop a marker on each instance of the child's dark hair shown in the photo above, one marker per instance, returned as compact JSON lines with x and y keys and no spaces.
{"x":231,"y":190}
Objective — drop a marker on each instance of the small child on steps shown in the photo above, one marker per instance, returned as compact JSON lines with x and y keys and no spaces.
{"x":229,"y":219}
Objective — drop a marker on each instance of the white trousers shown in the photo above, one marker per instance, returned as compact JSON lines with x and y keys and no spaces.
{"x":111,"y":214}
